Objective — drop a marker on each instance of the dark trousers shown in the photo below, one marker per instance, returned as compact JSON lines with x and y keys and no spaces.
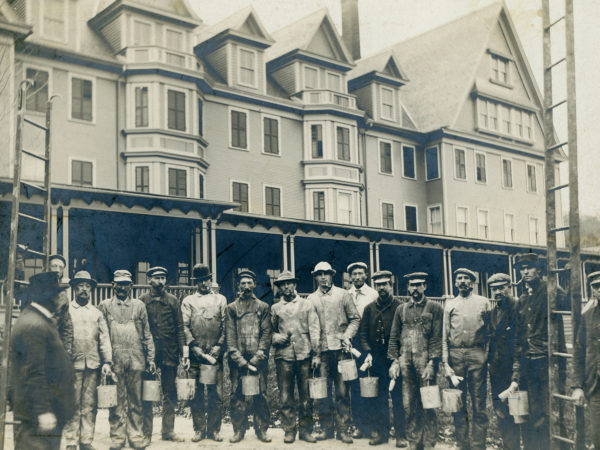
{"x":360,"y":413}
{"x":536,"y":432}
{"x":27,"y":436}
{"x":242,"y":405}
{"x":328,"y":407}
{"x":207,"y":409}
{"x":377,"y":409}
{"x":471,"y":363}
{"x":500,"y":379}
{"x":421,"y":427}
{"x":594,"y":411}
{"x":169,"y":402}
{"x":291,"y":374}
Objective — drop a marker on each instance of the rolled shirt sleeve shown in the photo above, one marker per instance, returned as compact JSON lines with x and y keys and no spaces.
{"x":147,"y":341}
{"x":352,"y":316}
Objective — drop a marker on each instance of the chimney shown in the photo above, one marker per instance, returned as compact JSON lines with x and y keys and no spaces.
{"x":350,"y":28}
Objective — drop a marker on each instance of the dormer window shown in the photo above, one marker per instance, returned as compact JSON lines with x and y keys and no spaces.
{"x":54,"y":17}
{"x":387,"y":103}
{"x":142,"y":31}
{"x":500,"y":69}
{"x":334,"y":82}
{"x":311,"y":80}
{"x":174,"y":39}
{"x":247,"y":67}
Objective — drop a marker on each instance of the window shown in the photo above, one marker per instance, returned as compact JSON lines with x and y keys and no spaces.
{"x":387,"y":103}
{"x":344,"y":210}
{"x":271,"y":135}
{"x":387,"y":215}
{"x":201,"y":186}
{"x":531,"y":179}
{"x":527,"y":127}
{"x":509,"y":227}
{"x":247,"y":67}
{"x":174,"y":39}
{"x":519,"y":123}
{"x":408,"y":162}
{"x":81,"y":99}
{"x":316,"y":138}
{"x":500,"y":69}
{"x":492,"y":115}
{"x":343,"y":144}
{"x":82,"y":173}
{"x":272,"y":201}
{"x":239,"y":195}
{"x":483,"y":113}
{"x":238,"y":129}
{"x":311,"y":78}
{"x":481,"y":174}
{"x":534,"y":232}
{"x":334,"y":82}
{"x":200,"y":117}
{"x":460,"y":164}
{"x":483,"y":222}
{"x":385,"y":157}
{"x":319,"y":206}
{"x":410,"y":214}
{"x":141,"y":106}
{"x":462,"y":221}
{"x":178,"y":182}
{"x":507,"y":173}
{"x":37,"y":95}
{"x":176,"y":110}
{"x":431,"y":162}
{"x":506,"y":121}
{"x":142,"y":33}
{"x":142,"y":179}
{"x":53,"y":24}
{"x":434,"y":219}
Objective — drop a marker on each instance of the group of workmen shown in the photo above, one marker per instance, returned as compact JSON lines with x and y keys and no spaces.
{"x":62,"y":349}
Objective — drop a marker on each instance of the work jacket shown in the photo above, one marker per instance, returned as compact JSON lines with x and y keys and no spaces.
{"x":503,"y":332}
{"x":91,"y":343}
{"x":296,"y":320}
{"x":587,"y":352}
{"x":376,"y":325}
{"x":338,"y":316}
{"x":204,"y":323}
{"x":362,"y":297}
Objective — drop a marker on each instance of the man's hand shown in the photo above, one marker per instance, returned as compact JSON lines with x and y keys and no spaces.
{"x":428,"y":373}
{"x":210,"y":359}
{"x":197,"y":352}
{"x":316,"y":362}
{"x":214,"y":352}
{"x":46,"y":422}
{"x":578,"y":397}
{"x":448,"y":370}
{"x":252,"y":368}
{"x":368,"y":363}
{"x":346,"y":344}
{"x":280,"y":340}
{"x":185,"y":364}
{"x":514,"y":387}
{"x":394,"y":370}
{"x":106,"y":370}
{"x":152,"y":367}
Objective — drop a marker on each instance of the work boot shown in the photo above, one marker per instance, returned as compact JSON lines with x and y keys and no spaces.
{"x":378,"y":439}
{"x":71,"y":447}
{"x":85,"y":447}
{"x":214,"y":436}
{"x":237,"y":437}
{"x":172,"y":437}
{"x":290,"y":436}
{"x":345,"y":438}
{"x":324,"y":434}
{"x":401,"y":442}
{"x":262,"y":436}
{"x":358,"y":434}
{"x":307,"y":437}
{"x":197,"y":436}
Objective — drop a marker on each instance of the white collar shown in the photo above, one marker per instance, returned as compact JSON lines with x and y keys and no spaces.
{"x":45,"y":311}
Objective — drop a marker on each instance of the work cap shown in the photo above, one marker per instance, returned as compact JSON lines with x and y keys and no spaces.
{"x":594,"y":278}
{"x":246,"y":273}
{"x":201,"y":272}
{"x":82,"y":276}
{"x":465,"y":271}
{"x":382,"y":276}
{"x":356,"y":265}
{"x":323,"y":266}
{"x":499,"y":279}
{"x":286,"y":275}
{"x":417,"y":277}
{"x":528,"y":259}
{"x":59,"y":257}
{"x":122,"y":275}
{"x":157,"y":271}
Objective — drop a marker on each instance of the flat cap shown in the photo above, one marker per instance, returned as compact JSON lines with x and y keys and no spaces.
{"x":417,"y":277}
{"x":465,"y":271}
{"x":356,"y":265}
{"x":59,"y":257}
{"x":157,"y":271}
{"x":81,"y":277}
{"x":122,"y":275}
{"x":246,"y":273}
{"x":382,"y":276}
{"x":286,"y":275}
{"x":499,"y":279}
{"x":323,"y":266}
{"x":594,"y":278}
{"x":527,"y":259}
{"x":201,"y":272}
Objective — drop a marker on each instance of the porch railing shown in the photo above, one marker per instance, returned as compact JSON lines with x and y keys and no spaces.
{"x":104,"y":290}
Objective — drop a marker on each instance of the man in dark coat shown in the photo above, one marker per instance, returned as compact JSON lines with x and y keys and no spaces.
{"x":41,"y":387}
{"x":166,"y":326}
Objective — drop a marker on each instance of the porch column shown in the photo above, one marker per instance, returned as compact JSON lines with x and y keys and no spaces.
{"x":197,"y":245}
{"x":213,"y":248}
{"x":292,"y":256}
{"x":450,"y":277}
{"x":445,"y":270}
{"x":53,"y":230}
{"x":204,"y":241}
{"x":285,"y":252}
{"x":377,"y":256}
{"x":65,"y":243}
{"x":371,"y":262}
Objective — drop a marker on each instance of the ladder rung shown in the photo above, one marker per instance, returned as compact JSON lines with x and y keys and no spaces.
{"x":556,"y":188}
{"x":33,"y":252}
{"x":557,"y":146}
{"x":563,"y":313}
{"x":556,"y":63}
{"x":555,"y":22}
{"x":22,"y":282}
{"x":35,"y":186}
{"x":558,"y":229}
{"x":35,"y":155}
{"x":35,"y":219}
{"x":558,"y":270}
{"x":557,"y":104}
{"x":564,"y":397}
{"x":562,"y":354}
{"x":563,"y":439}
{"x":35,"y":124}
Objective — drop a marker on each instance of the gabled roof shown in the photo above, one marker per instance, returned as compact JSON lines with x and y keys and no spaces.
{"x":383,"y":66}
{"x":314,"y":36}
{"x":244,"y":25}
{"x":176,"y":11}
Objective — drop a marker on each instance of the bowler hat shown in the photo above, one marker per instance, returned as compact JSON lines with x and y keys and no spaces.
{"x":201,"y":272}
{"x":323,"y":266}
{"x":156,"y":271}
{"x":45,"y":285}
{"x":286,"y":275}
{"x":465,"y":271}
{"x":81,"y":277}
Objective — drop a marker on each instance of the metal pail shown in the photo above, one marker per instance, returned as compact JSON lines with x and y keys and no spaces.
{"x":369,"y":386}
{"x":347,"y":368}
{"x":250,"y":385}
{"x":107,"y":394}
{"x":520,"y":419}
{"x":317,"y":388}
{"x":186,"y":388}
{"x":518,"y":404}
{"x":151,"y":390}
{"x":430,"y":397}
{"x":451,"y":400}
{"x":208,"y":373}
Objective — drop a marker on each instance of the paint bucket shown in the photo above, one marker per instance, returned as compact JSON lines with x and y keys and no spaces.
{"x":520,"y":419}
{"x":185,"y":386}
{"x":107,"y":394}
{"x":317,"y":387}
{"x":208,"y":373}
{"x":369,"y":386}
{"x":518,"y":404}
{"x":151,"y":390}
{"x":430,"y":397}
{"x":347,"y":367}
{"x":451,"y":400}
{"x":250,"y":385}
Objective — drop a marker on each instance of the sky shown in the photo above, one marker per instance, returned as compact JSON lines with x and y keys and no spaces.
{"x":385,"y":22}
